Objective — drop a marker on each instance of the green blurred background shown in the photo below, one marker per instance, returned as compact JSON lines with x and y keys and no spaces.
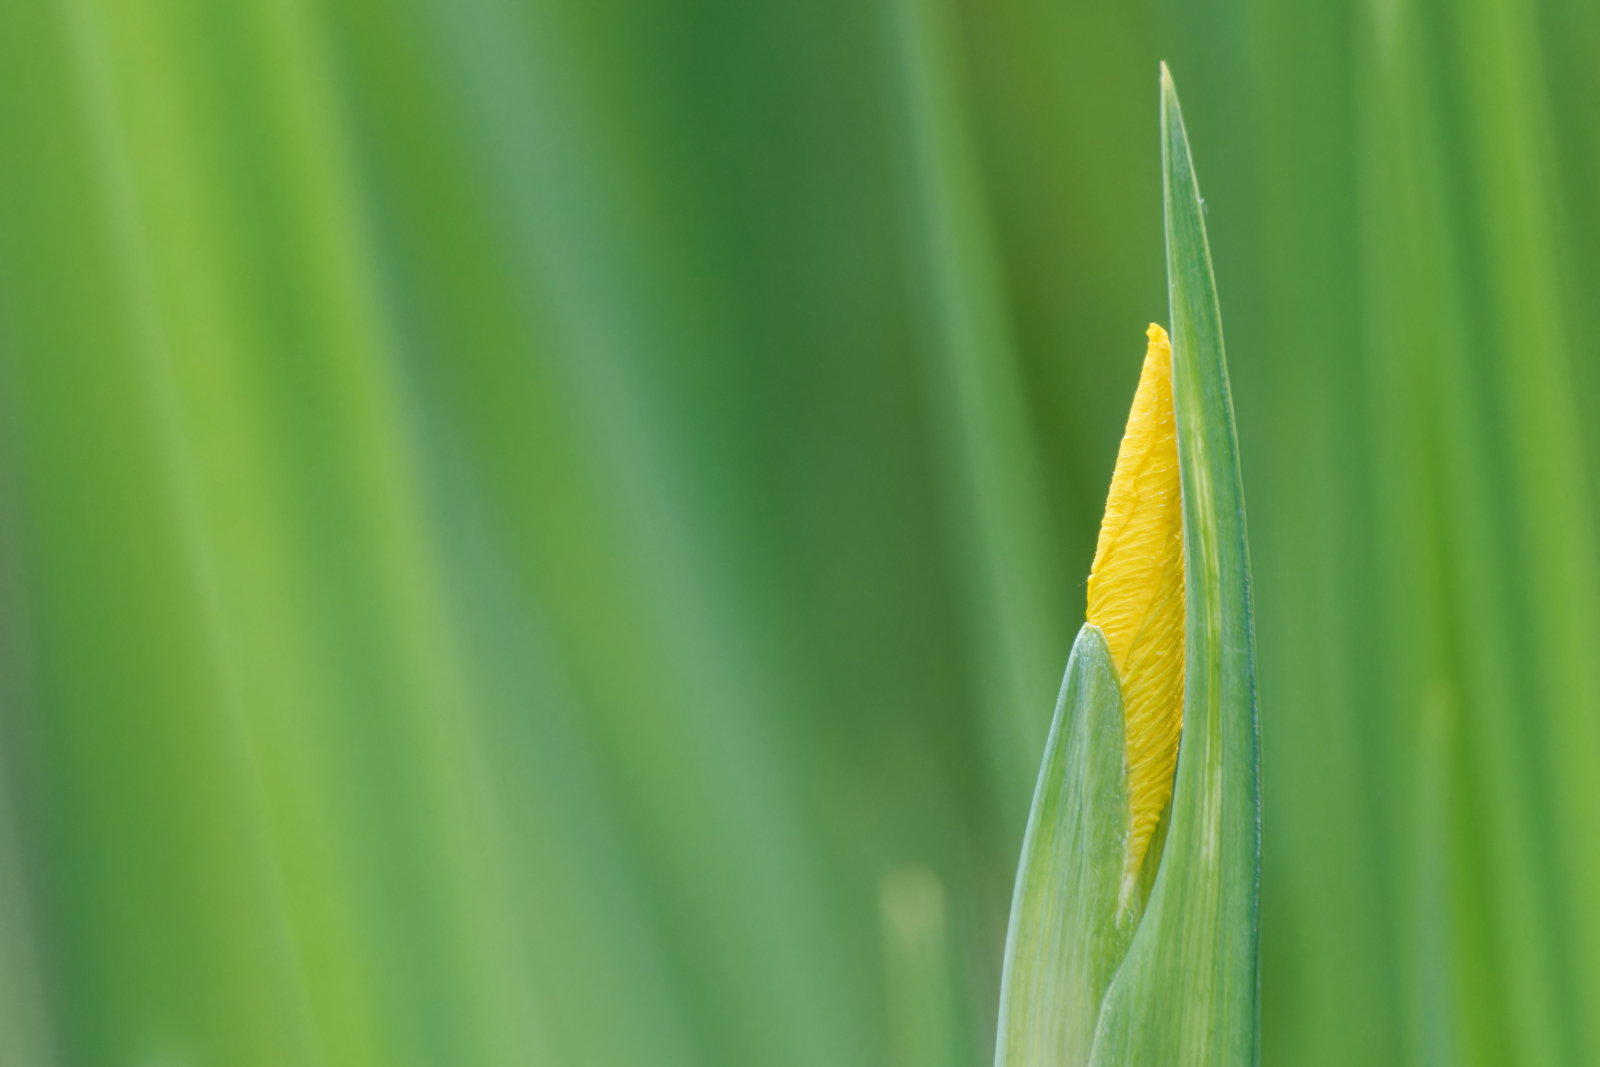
{"x":547,"y":531}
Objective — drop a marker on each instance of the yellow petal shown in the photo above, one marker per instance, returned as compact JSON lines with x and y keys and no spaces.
{"x":1136,"y":595}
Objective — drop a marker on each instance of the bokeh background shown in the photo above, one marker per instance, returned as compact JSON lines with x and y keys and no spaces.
{"x":547,"y":531}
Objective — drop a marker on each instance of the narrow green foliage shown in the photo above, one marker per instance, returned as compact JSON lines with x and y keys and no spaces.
{"x":1066,"y":937}
{"x":1185,"y":992}
{"x":988,"y":465}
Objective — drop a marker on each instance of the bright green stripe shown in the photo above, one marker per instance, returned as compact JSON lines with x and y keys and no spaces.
{"x":992,"y":483}
{"x":1551,"y":541}
{"x":1486,"y":586}
{"x":1295,"y":340}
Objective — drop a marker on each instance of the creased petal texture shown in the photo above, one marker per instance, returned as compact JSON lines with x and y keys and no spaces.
{"x":1136,"y":596}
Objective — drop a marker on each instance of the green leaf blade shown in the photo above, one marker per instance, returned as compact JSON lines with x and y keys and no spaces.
{"x":1188,"y":991}
{"x":1066,"y":939}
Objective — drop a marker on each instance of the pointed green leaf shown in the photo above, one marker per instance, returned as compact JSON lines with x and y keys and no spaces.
{"x":1176,"y":983}
{"x":1065,"y":939}
{"x":1187,"y":992}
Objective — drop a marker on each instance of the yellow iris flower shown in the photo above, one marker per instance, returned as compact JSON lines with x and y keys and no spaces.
{"x":1136,"y":597}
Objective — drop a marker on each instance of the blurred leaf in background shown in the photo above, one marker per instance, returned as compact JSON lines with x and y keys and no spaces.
{"x":520,"y":520}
